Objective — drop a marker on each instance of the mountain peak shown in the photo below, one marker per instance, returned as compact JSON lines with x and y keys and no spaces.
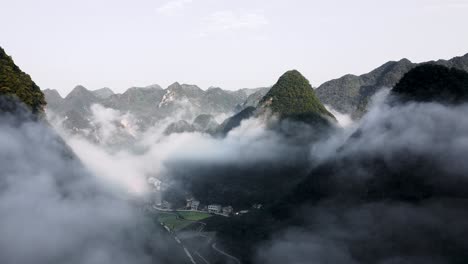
{"x":293,"y":96}
{"x":185,"y":90}
{"x":153,"y":86}
{"x":52,"y":92}
{"x":404,"y":60}
{"x":174,"y":85}
{"x":103,"y":93}
{"x":80,"y":87}
{"x":294,"y":73}
{"x":14,"y":82}
{"x":213,"y":88}
{"x":433,"y":83}
{"x":79,"y":91}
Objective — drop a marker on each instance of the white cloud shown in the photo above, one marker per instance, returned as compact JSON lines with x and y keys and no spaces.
{"x":233,"y":21}
{"x":344,"y":120}
{"x":173,"y":6}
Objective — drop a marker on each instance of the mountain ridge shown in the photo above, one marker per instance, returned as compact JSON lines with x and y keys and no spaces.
{"x":148,"y":104}
{"x":350,"y":94}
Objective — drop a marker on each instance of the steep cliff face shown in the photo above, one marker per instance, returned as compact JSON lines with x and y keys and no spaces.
{"x":14,"y":83}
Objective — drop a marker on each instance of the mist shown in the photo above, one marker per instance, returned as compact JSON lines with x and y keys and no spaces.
{"x":55,"y":210}
{"x":358,"y":213}
{"x":128,"y":164}
{"x":391,"y":189}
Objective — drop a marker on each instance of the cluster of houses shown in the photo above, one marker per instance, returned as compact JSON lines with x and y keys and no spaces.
{"x":194,"y":205}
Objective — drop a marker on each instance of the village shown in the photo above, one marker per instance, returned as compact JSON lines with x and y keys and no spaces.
{"x":176,"y":218}
{"x":188,"y":223}
{"x":196,"y":206}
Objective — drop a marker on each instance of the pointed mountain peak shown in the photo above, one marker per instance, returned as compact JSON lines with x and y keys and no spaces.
{"x":80,"y":87}
{"x":52,"y":92}
{"x":293,"y":97}
{"x":185,"y":90}
{"x":404,"y":60}
{"x":103,"y":93}
{"x":79,"y":91}
{"x":175,"y":85}
{"x":294,"y":74}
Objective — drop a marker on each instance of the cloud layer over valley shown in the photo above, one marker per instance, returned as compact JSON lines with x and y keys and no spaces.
{"x":391,"y":190}
{"x":55,"y":211}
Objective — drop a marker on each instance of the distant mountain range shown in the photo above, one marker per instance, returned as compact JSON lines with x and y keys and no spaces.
{"x":350,"y":94}
{"x":151,"y":104}
{"x":395,"y":191}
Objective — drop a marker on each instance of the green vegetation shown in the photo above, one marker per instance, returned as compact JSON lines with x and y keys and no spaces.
{"x":173,"y":221}
{"x":177,"y":221}
{"x":293,"y":97}
{"x":428,"y":83}
{"x":193,"y":215}
{"x":16,"y":83}
{"x":235,"y":121}
{"x":351,"y":94}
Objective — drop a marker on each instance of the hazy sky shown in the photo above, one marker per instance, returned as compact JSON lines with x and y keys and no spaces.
{"x":227,"y":43}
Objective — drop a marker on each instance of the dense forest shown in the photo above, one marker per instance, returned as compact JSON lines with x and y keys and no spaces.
{"x":430,"y":82}
{"x":16,"y":83}
{"x":293,"y":97}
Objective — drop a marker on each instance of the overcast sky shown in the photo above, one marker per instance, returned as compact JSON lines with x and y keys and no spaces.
{"x":227,"y":43}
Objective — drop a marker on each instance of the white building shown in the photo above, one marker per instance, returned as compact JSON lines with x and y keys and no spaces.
{"x":166,"y":205}
{"x":214,"y":208}
{"x":194,"y":205}
{"x":189,"y":203}
{"x":227,"y":210}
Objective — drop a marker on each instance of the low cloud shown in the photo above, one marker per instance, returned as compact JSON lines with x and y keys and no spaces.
{"x":346,"y":225}
{"x":392,"y":190}
{"x":54,"y":210}
{"x":152,"y":152}
{"x":248,"y":149}
{"x":344,"y":120}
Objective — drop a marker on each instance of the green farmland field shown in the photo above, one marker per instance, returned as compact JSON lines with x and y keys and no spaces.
{"x":177,"y":221}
